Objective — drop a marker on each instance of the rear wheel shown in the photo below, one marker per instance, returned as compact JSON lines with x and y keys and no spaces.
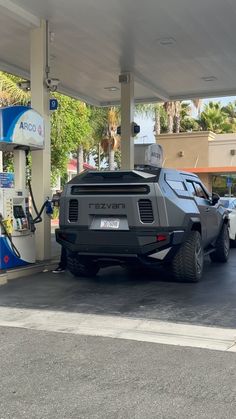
{"x":222,"y":246}
{"x":187,"y":264}
{"x":79,"y":269}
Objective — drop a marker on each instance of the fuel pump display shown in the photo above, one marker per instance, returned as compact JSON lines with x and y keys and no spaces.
{"x":21,"y":130}
{"x":17,"y":241}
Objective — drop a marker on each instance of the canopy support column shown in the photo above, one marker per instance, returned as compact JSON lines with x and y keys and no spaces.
{"x":127,"y":114}
{"x":41,"y":159}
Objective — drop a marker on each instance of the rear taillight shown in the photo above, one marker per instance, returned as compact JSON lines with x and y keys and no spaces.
{"x":161,"y":237}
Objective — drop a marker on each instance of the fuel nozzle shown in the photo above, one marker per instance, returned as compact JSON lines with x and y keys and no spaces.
{"x":49,"y":207}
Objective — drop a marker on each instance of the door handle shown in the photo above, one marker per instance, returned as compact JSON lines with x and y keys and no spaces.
{"x":207,"y":210}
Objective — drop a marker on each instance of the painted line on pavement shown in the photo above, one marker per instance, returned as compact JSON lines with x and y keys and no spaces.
{"x":152,"y":331}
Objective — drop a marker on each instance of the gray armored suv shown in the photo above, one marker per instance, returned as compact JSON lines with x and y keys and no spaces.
{"x":152,"y":216}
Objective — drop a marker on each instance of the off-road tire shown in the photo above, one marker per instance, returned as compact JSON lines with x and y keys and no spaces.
{"x":187,"y":264}
{"x":222,"y":246}
{"x":78,"y":269}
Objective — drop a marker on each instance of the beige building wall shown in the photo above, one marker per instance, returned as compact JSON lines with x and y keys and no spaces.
{"x":186,"y":150}
{"x":202,"y":151}
{"x":222,"y":151}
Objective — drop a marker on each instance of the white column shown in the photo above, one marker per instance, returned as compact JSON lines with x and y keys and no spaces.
{"x":19,"y":169}
{"x":127,"y":115}
{"x":41,"y":160}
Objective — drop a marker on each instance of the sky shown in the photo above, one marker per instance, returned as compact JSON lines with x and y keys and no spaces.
{"x":146,"y":134}
{"x":223,"y":100}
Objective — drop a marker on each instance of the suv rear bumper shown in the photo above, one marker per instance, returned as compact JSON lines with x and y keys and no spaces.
{"x":118,"y":243}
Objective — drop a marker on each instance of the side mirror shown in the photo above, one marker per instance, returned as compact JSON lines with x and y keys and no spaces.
{"x":215,"y":198}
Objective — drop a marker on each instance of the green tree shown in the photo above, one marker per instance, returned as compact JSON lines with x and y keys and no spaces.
{"x":70,"y":131}
{"x":230,"y":111}
{"x":70,"y":124}
{"x":213,"y":118}
{"x":187,"y":123}
{"x":157,"y":112}
{"x":10,"y":92}
{"x":104,"y":122}
{"x":98,"y":122}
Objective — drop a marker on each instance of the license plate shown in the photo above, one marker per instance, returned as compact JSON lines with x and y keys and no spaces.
{"x":110,"y":223}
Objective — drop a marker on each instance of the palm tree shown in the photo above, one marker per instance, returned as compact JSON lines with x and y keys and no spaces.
{"x":10,"y":92}
{"x":177,"y":116}
{"x":214,"y":119}
{"x":230,"y":110}
{"x":197,"y":104}
{"x":170,"y":110}
{"x":111,"y":141}
{"x":155,"y":111}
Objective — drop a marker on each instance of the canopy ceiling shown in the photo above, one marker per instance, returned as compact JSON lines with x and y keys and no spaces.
{"x":176,"y":49}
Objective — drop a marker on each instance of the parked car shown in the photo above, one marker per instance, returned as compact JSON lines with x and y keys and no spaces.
{"x":230,"y":204}
{"x":150,"y":216}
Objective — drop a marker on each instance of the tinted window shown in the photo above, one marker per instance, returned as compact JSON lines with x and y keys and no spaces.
{"x":196,"y":189}
{"x":200,"y":192}
{"x":177,"y":185}
{"x":191,"y":188}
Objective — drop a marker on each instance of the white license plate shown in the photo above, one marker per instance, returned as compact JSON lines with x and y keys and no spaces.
{"x":110,"y":223}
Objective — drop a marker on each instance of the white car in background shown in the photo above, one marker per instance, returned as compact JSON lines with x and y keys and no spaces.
{"x":230,"y":204}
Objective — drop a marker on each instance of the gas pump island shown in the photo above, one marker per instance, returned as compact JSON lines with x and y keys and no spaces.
{"x":21,"y":130}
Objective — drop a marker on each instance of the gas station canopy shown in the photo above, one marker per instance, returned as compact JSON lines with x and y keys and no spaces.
{"x":176,"y":49}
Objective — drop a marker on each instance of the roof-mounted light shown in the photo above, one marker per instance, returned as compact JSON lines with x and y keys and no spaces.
{"x":209,"y":78}
{"x":167,"y":41}
{"x":111,"y":88}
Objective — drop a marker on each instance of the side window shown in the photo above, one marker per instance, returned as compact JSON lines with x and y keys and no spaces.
{"x":200,"y":192}
{"x":191,"y":188}
{"x":176,"y":185}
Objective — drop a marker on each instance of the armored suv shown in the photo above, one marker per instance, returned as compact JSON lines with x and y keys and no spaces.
{"x":152,"y":216}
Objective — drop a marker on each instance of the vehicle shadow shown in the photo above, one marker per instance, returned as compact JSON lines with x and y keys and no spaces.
{"x":145,"y":294}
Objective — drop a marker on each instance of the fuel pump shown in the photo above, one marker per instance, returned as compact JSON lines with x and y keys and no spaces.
{"x":21,"y":130}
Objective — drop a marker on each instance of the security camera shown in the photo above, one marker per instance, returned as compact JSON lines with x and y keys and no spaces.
{"x":24,"y":85}
{"x":52,"y":84}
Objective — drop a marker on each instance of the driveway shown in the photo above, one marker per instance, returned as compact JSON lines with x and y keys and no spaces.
{"x":211,"y":302}
{"x":90,"y":348}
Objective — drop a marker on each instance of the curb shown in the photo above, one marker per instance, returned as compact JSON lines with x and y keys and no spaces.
{"x":27,"y":270}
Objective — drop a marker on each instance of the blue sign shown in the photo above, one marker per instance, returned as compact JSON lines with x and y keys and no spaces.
{"x":229,"y":182}
{"x":21,"y":126}
{"x":53,"y":104}
{"x":6,"y":180}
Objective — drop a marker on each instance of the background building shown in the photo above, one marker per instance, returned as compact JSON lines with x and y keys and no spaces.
{"x":211,"y":156}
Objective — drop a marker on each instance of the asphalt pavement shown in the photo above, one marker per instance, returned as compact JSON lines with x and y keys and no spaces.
{"x":57,"y":376}
{"x":50,"y":368}
{"x":211,"y":302}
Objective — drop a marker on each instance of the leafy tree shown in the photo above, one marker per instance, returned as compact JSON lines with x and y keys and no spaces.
{"x":157,"y":112}
{"x":187,"y":123}
{"x":104,"y":123}
{"x":230,"y":111}
{"x":213,"y":118}
{"x":70,"y":129}
{"x":70,"y":124}
{"x":10,"y":92}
